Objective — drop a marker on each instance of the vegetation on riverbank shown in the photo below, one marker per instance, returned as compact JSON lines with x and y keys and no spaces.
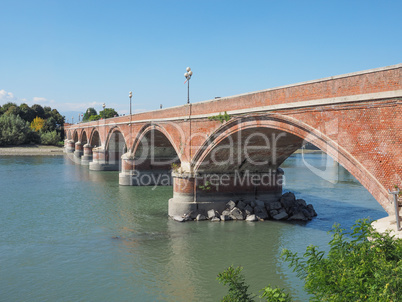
{"x":24,"y":125}
{"x":361,"y":265}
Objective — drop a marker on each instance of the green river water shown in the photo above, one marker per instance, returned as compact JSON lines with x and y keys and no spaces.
{"x":70,"y":234}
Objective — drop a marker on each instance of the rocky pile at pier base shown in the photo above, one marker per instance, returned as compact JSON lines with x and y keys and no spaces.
{"x":286,"y":208}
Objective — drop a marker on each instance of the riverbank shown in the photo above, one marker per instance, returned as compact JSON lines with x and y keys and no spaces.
{"x":31,"y":150}
{"x":387,"y":224}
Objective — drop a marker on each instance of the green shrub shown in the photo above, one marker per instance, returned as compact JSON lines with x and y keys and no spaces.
{"x":13,"y":130}
{"x":50,"y":138}
{"x":237,"y":286}
{"x":355,"y":269}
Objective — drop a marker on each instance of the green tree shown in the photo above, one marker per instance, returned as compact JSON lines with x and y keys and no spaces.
{"x":13,"y":130}
{"x":108,"y":113}
{"x":49,"y":125}
{"x":57,"y":117}
{"x":361,"y":265}
{"x":6,"y":106}
{"x":94,"y":118}
{"x":50,"y":138}
{"x":26,"y":113}
{"x":39,"y":111}
{"x":88,"y":113}
{"x":238,"y":289}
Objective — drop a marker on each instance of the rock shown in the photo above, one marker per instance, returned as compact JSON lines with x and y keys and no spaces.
{"x":259,"y":203}
{"x":273,"y":205}
{"x":236,"y":214}
{"x":200,"y":217}
{"x":280,"y":216}
{"x":226,"y":217}
{"x":241,"y":205}
{"x":272,"y":213}
{"x":298,"y":216}
{"x":301,"y":202}
{"x":252,"y":204}
{"x":178,"y":218}
{"x":261,"y":212}
{"x":230,"y":205}
{"x":311,"y":209}
{"x":211,"y":214}
{"x":251,"y":218}
{"x":288,"y":200}
{"x":226,"y":212}
{"x":248,"y":210}
{"x":215,"y":219}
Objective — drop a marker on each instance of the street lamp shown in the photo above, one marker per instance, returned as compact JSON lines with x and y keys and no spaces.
{"x":130,"y":95}
{"x":188,"y":75}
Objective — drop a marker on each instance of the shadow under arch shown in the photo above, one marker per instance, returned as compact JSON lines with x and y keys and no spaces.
{"x":94,"y":138}
{"x":115,"y":146}
{"x":297,"y":134}
{"x":154,"y":155}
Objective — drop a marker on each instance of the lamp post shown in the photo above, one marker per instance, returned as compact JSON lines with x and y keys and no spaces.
{"x":72,"y":119}
{"x":103,"y":106}
{"x":188,"y":75}
{"x":130,"y":95}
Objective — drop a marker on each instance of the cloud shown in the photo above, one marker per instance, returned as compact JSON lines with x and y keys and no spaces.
{"x":6,"y":97}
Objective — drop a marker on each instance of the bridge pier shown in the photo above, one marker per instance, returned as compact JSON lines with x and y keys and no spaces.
{"x":78,"y":152}
{"x":205,"y":191}
{"x":100,"y":161}
{"x":87,"y":156}
{"x":69,"y":146}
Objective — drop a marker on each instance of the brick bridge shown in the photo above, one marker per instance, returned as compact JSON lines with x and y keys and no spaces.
{"x":210,"y":157}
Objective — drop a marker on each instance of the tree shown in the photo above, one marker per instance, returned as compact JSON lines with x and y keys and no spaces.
{"x":50,"y":138}
{"x":94,"y":118}
{"x":361,"y":265}
{"x":13,"y":130}
{"x":49,"y":125}
{"x":26,"y":113}
{"x":57,"y":117}
{"x":108,"y":113}
{"x":39,"y":111}
{"x":6,"y":106}
{"x":88,"y":113}
{"x":37,"y":124}
{"x":238,"y":289}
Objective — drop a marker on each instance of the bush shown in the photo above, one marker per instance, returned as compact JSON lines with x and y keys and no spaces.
{"x":237,"y":286}
{"x":50,"y":138}
{"x":355,"y":269}
{"x":13,"y":130}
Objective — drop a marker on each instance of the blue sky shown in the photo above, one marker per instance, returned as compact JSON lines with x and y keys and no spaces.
{"x":72,"y":55}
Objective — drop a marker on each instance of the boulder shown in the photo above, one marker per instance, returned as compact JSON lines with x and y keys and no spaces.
{"x":252,"y":203}
{"x":259,"y":203}
{"x":298,"y":216}
{"x":251,"y":217}
{"x":301,"y":202}
{"x":200,"y":217}
{"x":226,"y":217}
{"x":273,"y":205}
{"x":288,"y":200}
{"x":261,"y":212}
{"x":226,"y":212}
{"x":272,"y":213}
{"x":241,"y":205}
{"x":281,"y":216}
{"x":215,"y":219}
{"x":236,"y":214}
{"x":212,"y":213}
{"x":248,"y":210}
{"x":230,"y":205}
{"x":311,"y":209}
{"x":178,"y":218}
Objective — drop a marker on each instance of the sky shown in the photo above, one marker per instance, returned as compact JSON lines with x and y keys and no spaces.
{"x":75,"y":54}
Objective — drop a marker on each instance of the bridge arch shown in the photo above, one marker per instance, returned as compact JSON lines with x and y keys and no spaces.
{"x":154,"y":140}
{"x":115,"y":145}
{"x":75,"y":136}
{"x":94,"y":138}
{"x":294,"y":134}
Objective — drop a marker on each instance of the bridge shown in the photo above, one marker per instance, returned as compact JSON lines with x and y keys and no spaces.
{"x":232,"y":147}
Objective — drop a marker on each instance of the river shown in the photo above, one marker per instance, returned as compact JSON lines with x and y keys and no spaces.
{"x":70,"y":234}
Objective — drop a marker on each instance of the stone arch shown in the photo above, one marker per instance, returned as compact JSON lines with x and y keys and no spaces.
{"x":115,"y":145}
{"x":298,"y":133}
{"x":94,"y":138}
{"x":75,"y":136}
{"x":84,"y":139}
{"x":155,"y":149}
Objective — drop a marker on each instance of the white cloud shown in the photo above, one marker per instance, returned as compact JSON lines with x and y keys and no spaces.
{"x":6,"y":97}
